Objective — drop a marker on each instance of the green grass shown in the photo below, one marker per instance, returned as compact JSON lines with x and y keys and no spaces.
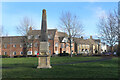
{"x":26,"y":68}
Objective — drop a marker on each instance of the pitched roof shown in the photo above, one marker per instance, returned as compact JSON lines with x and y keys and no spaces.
{"x":18,"y":39}
{"x":51,"y":32}
{"x":12,"y":39}
{"x":97,"y":40}
{"x":81,"y":41}
{"x":62,"y":34}
{"x":60,"y":39}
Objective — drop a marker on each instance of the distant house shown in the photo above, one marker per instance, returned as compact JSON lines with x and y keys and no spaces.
{"x":87,"y":46}
{"x":64,"y":46}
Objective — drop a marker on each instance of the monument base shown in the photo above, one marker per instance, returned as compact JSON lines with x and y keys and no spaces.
{"x":44,"y":62}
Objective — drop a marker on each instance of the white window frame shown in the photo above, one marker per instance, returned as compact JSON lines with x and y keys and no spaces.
{"x":14,"y":45}
{"x":30,"y":52}
{"x":5,"y":53}
{"x":21,"y":45}
{"x":21,"y":52}
{"x":29,"y":37}
{"x":36,"y":36}
{"x":50,"y":51}
{"x":56,"y":44}
{"x":5,"y":45}
{"x":49,"y":44}
{"x":30,"y":45}
{"x":14,"y":52}
{"x":36,"y":53}
{"x":71,"y":45}
{"x":49,"y":37}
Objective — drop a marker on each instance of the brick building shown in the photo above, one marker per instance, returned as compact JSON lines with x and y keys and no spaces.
{"x":13,"y":45}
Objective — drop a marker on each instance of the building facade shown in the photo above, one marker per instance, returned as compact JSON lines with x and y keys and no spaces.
{"x":88,"y":46}
{"x":14,"y":45}
{"x":104,"y":48}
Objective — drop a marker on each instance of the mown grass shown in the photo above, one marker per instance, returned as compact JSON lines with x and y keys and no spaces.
{"x":26,"y":68}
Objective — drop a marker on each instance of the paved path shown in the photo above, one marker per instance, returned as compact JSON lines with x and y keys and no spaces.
{"x":76,"y":62}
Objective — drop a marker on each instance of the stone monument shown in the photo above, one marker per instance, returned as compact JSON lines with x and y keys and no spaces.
{"x":44,"y":56}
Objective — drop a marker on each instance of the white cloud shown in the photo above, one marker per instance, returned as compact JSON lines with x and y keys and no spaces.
{"x":100,"y":12}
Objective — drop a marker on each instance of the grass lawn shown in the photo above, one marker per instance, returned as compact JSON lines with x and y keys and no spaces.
{"x":26,"y":68}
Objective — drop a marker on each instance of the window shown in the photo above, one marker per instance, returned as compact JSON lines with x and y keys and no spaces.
{"x":36,"y":36}
{"x":50,"y":51}
{"x":85,"y":49}
{"x":29,"y":37}
{"x":14,"y":53}
{"x":71,"y":45}
{"x":29,"y":53}
{"x":82,"y":49}
{"x":49,"y":36}
{"x":14,"y":45}
{"x":61,"y":45}
{"x":65,"y":40}
{"x":83,"y":46}
{"x":48,"y":44}
{"x":36,"y":52}
{"x":56,"y":44}
{"x":5,"y":53}
{"x":36,"y":44}
{"x":5,"y":46}
{"x":20,"y":45}
{"x":21,"y":53}
{"x":30,"y":45}
{"x":67,"y":45}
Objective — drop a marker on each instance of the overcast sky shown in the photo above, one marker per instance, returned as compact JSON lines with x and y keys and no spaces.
{"x":88,"y":13}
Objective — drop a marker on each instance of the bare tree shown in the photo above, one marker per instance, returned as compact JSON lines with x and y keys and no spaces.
{"x":3,"y":31}
{"x":118,"y":28}
{"x":24,"y":28}
{"x":71,"y":24}
{"x":107,"y":29}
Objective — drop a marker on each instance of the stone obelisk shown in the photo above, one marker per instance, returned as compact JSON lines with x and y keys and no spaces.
{"x":44,"y":57}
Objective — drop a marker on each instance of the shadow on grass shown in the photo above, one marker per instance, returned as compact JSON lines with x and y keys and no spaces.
{"x":29,"y":65}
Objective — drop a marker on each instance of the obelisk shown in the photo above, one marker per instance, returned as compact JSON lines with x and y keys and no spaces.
{"x":44,"y":57}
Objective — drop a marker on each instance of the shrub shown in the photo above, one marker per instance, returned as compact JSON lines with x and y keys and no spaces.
{"x":5,"y":56}
{"x":63,"y":54}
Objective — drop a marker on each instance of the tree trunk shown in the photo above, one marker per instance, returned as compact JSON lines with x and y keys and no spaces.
{"x":111,"y":49}
{"x":70,"y":48}
{"x":118,"y":47}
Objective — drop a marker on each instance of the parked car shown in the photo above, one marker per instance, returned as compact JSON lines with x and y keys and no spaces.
{"x":115,"y":53}
{"x":108,"y":53}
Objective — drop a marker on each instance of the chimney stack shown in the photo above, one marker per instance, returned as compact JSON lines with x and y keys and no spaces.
{"x":90,"y":37}
{"x":30,"y":28}
{"x":81,"y":37}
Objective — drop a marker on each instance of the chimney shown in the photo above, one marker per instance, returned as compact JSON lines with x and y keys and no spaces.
{"x":81,"y":37}
{"x":30,"y":28}
{"x":90,"y":37}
